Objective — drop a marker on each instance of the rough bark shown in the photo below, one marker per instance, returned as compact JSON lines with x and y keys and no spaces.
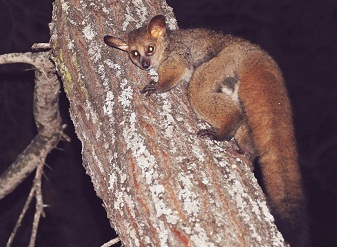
{"x":160,"y":184}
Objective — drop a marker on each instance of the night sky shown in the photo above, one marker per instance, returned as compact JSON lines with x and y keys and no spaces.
{"x":300,"y":35}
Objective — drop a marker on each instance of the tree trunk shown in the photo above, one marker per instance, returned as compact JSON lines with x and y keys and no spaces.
{"x":160,"y":184}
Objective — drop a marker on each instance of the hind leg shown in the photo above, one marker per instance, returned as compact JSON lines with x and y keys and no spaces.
{"x":213,"y":93}
{"x":217,"y":109}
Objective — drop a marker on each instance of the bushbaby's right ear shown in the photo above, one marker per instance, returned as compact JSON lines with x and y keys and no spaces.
{"x":157,"y":26}
{"x":116,"y":42}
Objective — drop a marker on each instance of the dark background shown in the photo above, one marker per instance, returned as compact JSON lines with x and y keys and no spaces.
{"x":301,"y":36}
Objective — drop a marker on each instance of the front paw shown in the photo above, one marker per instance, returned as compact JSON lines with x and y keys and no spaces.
{"x":149,"y":89}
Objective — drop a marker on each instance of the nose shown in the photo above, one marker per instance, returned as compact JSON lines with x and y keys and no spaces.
{"x":145,"y":64}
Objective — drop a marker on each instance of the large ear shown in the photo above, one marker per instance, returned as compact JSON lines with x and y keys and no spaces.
{"x":157,"y":26}
{"x":116,"y":42}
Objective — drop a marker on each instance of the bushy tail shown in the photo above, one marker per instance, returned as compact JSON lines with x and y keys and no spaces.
{"x":267,"y":108}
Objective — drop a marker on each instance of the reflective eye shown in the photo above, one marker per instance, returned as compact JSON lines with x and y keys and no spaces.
{"x":135,"y":54}
{"x":150,"y":50}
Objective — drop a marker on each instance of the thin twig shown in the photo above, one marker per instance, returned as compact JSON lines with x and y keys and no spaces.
{"x":111,"y":242}
{"x":35,"y":190}
{"x":39,"y":203}
{"x":21,"y":216}
{"x":40,"y":46}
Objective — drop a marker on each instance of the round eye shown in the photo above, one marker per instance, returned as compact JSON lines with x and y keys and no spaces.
{"x":135,"y":54}
{"x":150,"y":50}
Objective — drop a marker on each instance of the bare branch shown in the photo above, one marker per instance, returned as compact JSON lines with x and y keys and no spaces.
{"x":29,"y":57}
{"x":50,"y":131}
{"x":47,"y":119}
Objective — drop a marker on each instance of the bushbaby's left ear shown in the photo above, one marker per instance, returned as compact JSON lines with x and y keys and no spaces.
{"x":157,"y":26}
{"x":116,"y":42}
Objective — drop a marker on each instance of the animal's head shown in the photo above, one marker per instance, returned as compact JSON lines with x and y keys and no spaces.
{"x":144,"y":45}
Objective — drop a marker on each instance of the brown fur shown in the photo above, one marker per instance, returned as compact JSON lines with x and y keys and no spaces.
{"x":239,"y":90}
